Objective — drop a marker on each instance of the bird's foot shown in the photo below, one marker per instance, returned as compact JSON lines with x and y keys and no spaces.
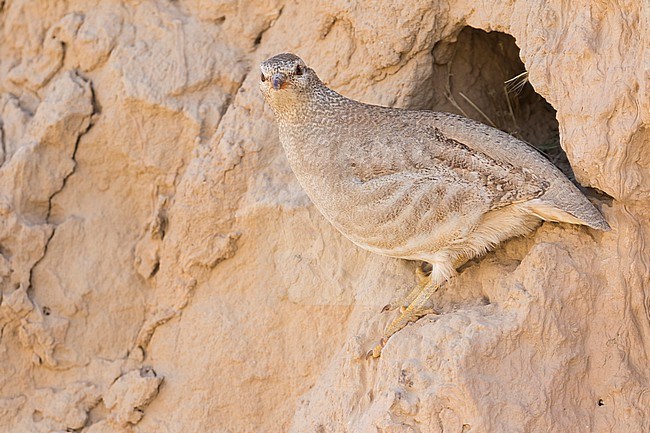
{"x":376,"y":351}
{"x":408,"y":314}
{"x":423,"y":274}
{"x":404,"y":319}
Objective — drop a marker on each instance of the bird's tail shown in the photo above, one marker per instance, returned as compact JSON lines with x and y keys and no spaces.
{"x":586,"y":214}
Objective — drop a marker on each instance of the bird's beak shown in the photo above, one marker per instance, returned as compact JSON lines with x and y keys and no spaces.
{"x":278,"y":80}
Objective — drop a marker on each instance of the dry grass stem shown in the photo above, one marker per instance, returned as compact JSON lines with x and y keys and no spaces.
{"x":474,"y":106}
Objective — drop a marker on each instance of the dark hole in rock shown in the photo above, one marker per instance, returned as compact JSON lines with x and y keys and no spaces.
{"x":480,"y":75}
{"x":156,"y":268}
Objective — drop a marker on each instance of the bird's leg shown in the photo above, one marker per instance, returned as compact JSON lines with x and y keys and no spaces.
{"x":409,"y":314}
{"x":440,"y":272}
{"x":423,"y":279}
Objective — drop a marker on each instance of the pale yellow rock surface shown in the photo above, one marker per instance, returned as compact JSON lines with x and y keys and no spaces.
{"x":162,"y":271}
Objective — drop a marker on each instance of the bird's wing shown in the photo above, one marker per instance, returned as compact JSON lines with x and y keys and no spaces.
{"x":426,"y":159}
{"x":504,"y":149}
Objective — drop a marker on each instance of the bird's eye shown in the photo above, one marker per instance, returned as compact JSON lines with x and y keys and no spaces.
{"x":262,"y":77}
{"x":299,"y":70}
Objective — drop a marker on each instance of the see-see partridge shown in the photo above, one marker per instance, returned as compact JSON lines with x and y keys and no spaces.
{"x":414,"y":184}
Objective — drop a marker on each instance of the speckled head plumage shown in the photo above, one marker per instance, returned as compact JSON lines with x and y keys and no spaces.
{"x":286,"y":80}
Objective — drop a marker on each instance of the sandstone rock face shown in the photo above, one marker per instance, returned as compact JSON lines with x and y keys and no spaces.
{"x":162,"y":271}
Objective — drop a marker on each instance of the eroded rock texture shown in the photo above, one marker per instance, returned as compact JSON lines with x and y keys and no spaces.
{"x":162,"y":271}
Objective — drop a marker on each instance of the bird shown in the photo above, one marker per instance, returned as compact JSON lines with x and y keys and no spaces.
{"x":414,"y":184}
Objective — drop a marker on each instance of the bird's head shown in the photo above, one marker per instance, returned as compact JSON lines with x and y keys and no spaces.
{"x":286,"y":81}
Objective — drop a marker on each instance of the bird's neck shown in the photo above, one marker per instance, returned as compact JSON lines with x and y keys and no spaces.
{"x":306,"y":119}
{"x":307,"y":129}
{"x":299,"y":109}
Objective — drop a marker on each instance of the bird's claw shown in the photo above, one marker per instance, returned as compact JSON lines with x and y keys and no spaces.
{"x":376,"y":351}
{"x":391,"y":307}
